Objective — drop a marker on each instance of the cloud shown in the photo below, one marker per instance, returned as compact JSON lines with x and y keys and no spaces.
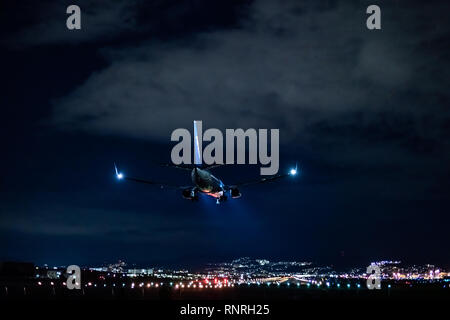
{"x":97,"y":223}
{"x":100,"y":21}
{"x":294,"y":66}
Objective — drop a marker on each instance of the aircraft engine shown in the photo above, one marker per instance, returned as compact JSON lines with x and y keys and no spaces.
{"x":235,"y":193}
{"x":190,"y":194}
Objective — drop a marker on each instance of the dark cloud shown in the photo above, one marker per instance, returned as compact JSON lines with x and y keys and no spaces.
{"x":45,"y":24}
{"x":27,"y":24}
{"x":294,"y":66}
{"x":56,"y":220}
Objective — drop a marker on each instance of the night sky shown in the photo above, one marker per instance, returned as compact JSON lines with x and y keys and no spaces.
{"x":364,"y":113}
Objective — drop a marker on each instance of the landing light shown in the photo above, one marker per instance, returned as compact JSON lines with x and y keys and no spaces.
{"x":293,"y":172}
{"x":119,"y":176}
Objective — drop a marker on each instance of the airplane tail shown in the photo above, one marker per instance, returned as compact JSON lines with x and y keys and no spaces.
{"x":198,"y":159}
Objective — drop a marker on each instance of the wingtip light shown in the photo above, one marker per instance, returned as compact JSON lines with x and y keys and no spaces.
{"x":293,"y":171}
{"x":119,"y":175}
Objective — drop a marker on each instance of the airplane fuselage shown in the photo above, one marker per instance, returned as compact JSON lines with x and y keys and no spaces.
{"x":205,"y":182}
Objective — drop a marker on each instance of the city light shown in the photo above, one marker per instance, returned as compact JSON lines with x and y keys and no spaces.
{"x":250,"y":273}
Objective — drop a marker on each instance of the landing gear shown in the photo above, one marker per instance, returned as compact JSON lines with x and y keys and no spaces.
{"x":221,"y":198}
{"x":190,"y":194}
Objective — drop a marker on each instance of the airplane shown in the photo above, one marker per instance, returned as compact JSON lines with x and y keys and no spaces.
{"x":203,"y":180}
{"x":206,"y":183}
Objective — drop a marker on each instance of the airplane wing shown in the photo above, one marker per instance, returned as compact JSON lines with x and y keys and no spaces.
{"x":178,"y":166}
{"x":292,"y":172}
{"x":121,"y":176}
{"x":263,"y":180}
{"x":212,"y":166}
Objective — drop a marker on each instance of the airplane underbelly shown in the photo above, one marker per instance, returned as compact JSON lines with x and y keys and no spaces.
{"x":209,"y":187}
{"x":207,"y":183}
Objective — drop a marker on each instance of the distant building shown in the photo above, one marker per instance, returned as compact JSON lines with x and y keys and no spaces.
{"x":139,"y":272}
{"x":117,"y":267}
{"x":262,"y":261}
